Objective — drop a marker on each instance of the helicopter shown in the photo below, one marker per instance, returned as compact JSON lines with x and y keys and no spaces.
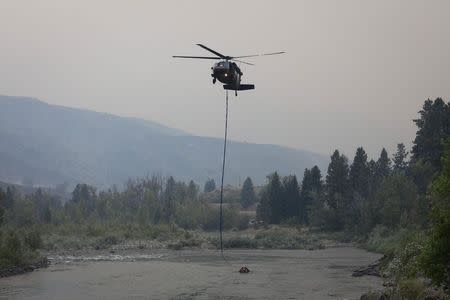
{"x":226,"y":70}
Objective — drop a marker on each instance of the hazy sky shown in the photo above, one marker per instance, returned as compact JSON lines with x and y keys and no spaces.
{"x":355,"y":72}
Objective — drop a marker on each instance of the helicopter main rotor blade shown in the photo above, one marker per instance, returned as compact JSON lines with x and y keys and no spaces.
{"x":199,"y":57}
{"x":244,"y":62}
{"x":264,"y":54}
{"x":214,"y":52}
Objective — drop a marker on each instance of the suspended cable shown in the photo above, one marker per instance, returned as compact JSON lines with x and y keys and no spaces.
{"x":223,"y":173}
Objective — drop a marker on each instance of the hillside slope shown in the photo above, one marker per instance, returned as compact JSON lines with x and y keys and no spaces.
{"x":49,"y":144}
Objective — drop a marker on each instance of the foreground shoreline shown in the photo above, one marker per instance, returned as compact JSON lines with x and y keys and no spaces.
{"x":42,"y":262}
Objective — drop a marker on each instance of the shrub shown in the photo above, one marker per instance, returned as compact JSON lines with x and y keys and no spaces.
{"x":243,"y":222}
{"x":108,"y":241}
{"x":11,"y":250}
{"x":236,"y":242}
{"x":33,"y":240}
{"x":412,"y":289}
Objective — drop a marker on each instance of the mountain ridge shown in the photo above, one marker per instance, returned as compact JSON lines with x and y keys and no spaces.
{"x":51,"y":144}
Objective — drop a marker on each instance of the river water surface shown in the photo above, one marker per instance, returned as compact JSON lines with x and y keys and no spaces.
{"x":198,"y":274}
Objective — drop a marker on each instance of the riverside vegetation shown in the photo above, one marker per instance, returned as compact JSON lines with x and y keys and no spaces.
{"x":398,"y":206}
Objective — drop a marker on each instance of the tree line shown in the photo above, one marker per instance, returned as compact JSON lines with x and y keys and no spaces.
{"x":357,"y":196}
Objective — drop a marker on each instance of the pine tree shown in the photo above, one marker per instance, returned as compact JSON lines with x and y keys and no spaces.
{"x":275,"y":195}
{"x":338,"y":191}
{"x":248,"y":196}
{"x":2,"y":210}
{"x":433,"y":127}
{"x":291,"y":207}
{"x":400,"y":159}
{"x":383,"y":164}
{"x":2,"y":198}
{"x":359,"y":173}
{"x":435,"y":256}
{"x":210,"y":185}
{"x":9,"y":198}
{"x":168,"y":209}
{"x":311,"y":186}
{"x":372,"y":168}
{"x":264,"y":209}
{"x":192,"y":190}
{"x":85,"y":196}
{"x":337,"y":181}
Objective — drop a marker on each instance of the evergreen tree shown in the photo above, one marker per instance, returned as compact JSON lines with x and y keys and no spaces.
{"x":275,"y":196}
{"x":248,"y":196}
{"x":359,"y":173}
{"x":382,"y":170}
{"x":400,"y":159}
{"x":337,"y":181}
{"x":210,"y":185}
{"x":2,"y":210}
{"x":168,"y":209}
{"x":372,"y":169}
{"x":292,"y":200}
{"x":192,"y":190}
{"x":383,"y":164}
{"x":338,"y":191}
{"x":395,"y":200}
{"x":9,"y":197}
{"x":435,"y":258}
{"x":2,"y":198}
{"x":42,"y":203}
{"x":311,"y":186}
{"x":433,"y":127}
{"x":264,"y":209}
{"x":316,"y":183}
{"x":360,"y":187}
{"x":422,"y":174}
{"x":368,"y":214}
{"x":85,"y":196}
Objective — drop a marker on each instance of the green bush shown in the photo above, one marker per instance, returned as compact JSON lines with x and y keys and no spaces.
{"x":240,"y":242}
{"x":384,"y":240}
{"x":435,"y":259}
{"x":107,"y":241}
{"x":412,"y":289}
{"x":33,"y":240}
{"x":236,"y":242}
{"x":243,"y":222}
{"x":11,"y":250}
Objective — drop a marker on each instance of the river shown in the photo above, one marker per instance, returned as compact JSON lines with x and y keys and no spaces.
{"x":198,"y":274}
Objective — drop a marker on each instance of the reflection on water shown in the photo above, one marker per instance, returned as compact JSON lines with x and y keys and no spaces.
{"x":198,"y":274}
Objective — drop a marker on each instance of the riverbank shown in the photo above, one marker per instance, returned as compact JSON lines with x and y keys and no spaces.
{"x":43,"y":262}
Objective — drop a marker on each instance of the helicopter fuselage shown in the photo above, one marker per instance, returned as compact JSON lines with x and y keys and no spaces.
{"x":227,"y":72}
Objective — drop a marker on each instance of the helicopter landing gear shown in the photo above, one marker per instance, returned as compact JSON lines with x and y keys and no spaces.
{"x":235,"y":93}
{"x":214,"y":80}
